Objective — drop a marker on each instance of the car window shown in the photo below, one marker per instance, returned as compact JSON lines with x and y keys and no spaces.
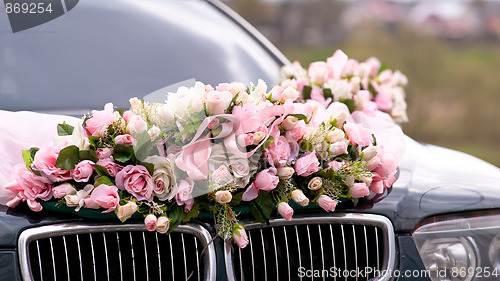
{"x":109,"y":51}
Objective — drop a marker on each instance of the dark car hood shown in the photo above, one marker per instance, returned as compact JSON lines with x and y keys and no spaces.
{"x":432,"y":180}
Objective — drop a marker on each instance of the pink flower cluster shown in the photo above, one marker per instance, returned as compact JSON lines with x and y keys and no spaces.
{"x":367,"y":85}
{"x":214,"y":144}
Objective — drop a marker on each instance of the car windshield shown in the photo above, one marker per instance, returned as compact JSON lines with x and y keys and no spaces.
{"x":110,"y":51}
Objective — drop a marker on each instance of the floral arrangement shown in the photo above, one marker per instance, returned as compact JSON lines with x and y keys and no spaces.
{"x":367,"y":86}
{"x":211,"y":149}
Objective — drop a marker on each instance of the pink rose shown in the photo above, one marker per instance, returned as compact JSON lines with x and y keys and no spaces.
{"x":127,"y":115}
{"x":240,"y":237}
{"x":359,"y":190}
{"x":45,"y":161}
{"x":338,"y":148}
{"x":214,"y":124}
{"x":125,"y":140}
{"x":383,"y":99}
{"x":285,"y":210}
{"x":357,"y":133}
{"x":63,"y":189}
{"x":307,"y":164}
{"x":137,"y":181}
{"x":218,"y":102}
{"x":184,"y":190}
{"x":327,"y":203}
{"x":297,"y":133}
{"x":335,"y":165}
{"x":275,"y":93}
{"x":150,"y":222}
{"x":377,"y":187}
{"x":266,"y":179}
{"x":100,"y":120}
{"x":28,"y":187}
{"x":278,"y":152}
{"x":110,"y":165}
{"x":136,"y":125}
{"x":103,"y":196}
{"x":318,"y":72}
{"x":103,"y":153}
{"x":245,"y":139}
{"x":83,"y":170}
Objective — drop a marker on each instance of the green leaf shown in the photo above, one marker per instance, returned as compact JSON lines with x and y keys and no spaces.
{"x":268,"y":142}
{"x":306,"y":146}
{"x":176,"y":215}
{"x":143,"y":147}
{"x":193,"y":213}
{"x":88,"y":155}
{"x":94,"y":141}
{"x":68,"y":158}
{"x":28,"y":156}
{"x":350,"y":104}
{"x":262,"y":206}
{"x":150,"y":167}
{"x":237,"y":198}
{"x":123,"y":153}
{"x":103,"y":180}
{"x":306,"y":92}
{"x":327,"y":93}
{"x":65,"y":129}
{"x":383,"y":67}
{"x":101,"y":171}
{"x":299,"y":116}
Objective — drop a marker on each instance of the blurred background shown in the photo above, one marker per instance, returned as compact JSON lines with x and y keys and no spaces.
{"x":449,"y":50}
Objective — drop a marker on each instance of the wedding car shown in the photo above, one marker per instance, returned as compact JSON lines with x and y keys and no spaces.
{"x":440,"y":220}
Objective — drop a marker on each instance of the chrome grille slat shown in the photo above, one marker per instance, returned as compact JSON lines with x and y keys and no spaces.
{"x":158,"y":255}
{"x":53,"y":258}
{"x":171,"y":256}
{"x":322,"y":251}
{"x":298,"y":248}
{"x":145,"y":256}
{"x":105,"y":255}
{"x":93,"y":256}
{"x":263,"y":254}
{"x":139,"y":253}
{"x":66,"y":255}
{"x":341,"y":241}
{"x":276,"y":254}
{"x":287,"y":254}
{"x":119,"y":256}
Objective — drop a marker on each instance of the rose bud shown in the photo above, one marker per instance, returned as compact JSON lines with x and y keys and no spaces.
{"x":162,"y":224}
{"x":285,"y":210}
{"x":315,"y":183}
{"x":150,"y":222}
{"x":223,"y":196}
{"x":299,"y":197}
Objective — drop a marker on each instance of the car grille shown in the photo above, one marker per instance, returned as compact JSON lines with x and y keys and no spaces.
{"x":340,"y":247}
{"x":116,"y":252}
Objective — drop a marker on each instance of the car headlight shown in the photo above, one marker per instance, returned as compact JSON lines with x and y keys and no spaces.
{"x":460,"y":247}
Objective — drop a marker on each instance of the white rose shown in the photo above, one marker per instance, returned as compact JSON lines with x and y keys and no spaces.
{"x":338,"y":111}
{"x":355,"y":84}
{"x":218,"y":102}
{"x":223,"y":196}
{"x":126,"y":211}
{"x":136,"y":105}
{"x":164,"y":179}
{"x":299,"y":197}
{"x":289,"y":123}
{"x":154,"y":132}
{"x":335,"y":135}
{"x":340,"y":89}
{"x":289,"y":94}
{"x":77,"y":200}
{"x":136,"y":125}
{"x":76,"y":138}
{"x":399,"y":79}
{"x":369,"y":152}
{"x":162,"y":224}
{"x":165,"y":113}
{"x":315,"y":183}
{"x":285,"y":172}
{"x":236,"y":88}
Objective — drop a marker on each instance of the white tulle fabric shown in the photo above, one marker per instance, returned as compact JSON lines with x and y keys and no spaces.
{"x":20,"y":131}
{"x":388,"y":134}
